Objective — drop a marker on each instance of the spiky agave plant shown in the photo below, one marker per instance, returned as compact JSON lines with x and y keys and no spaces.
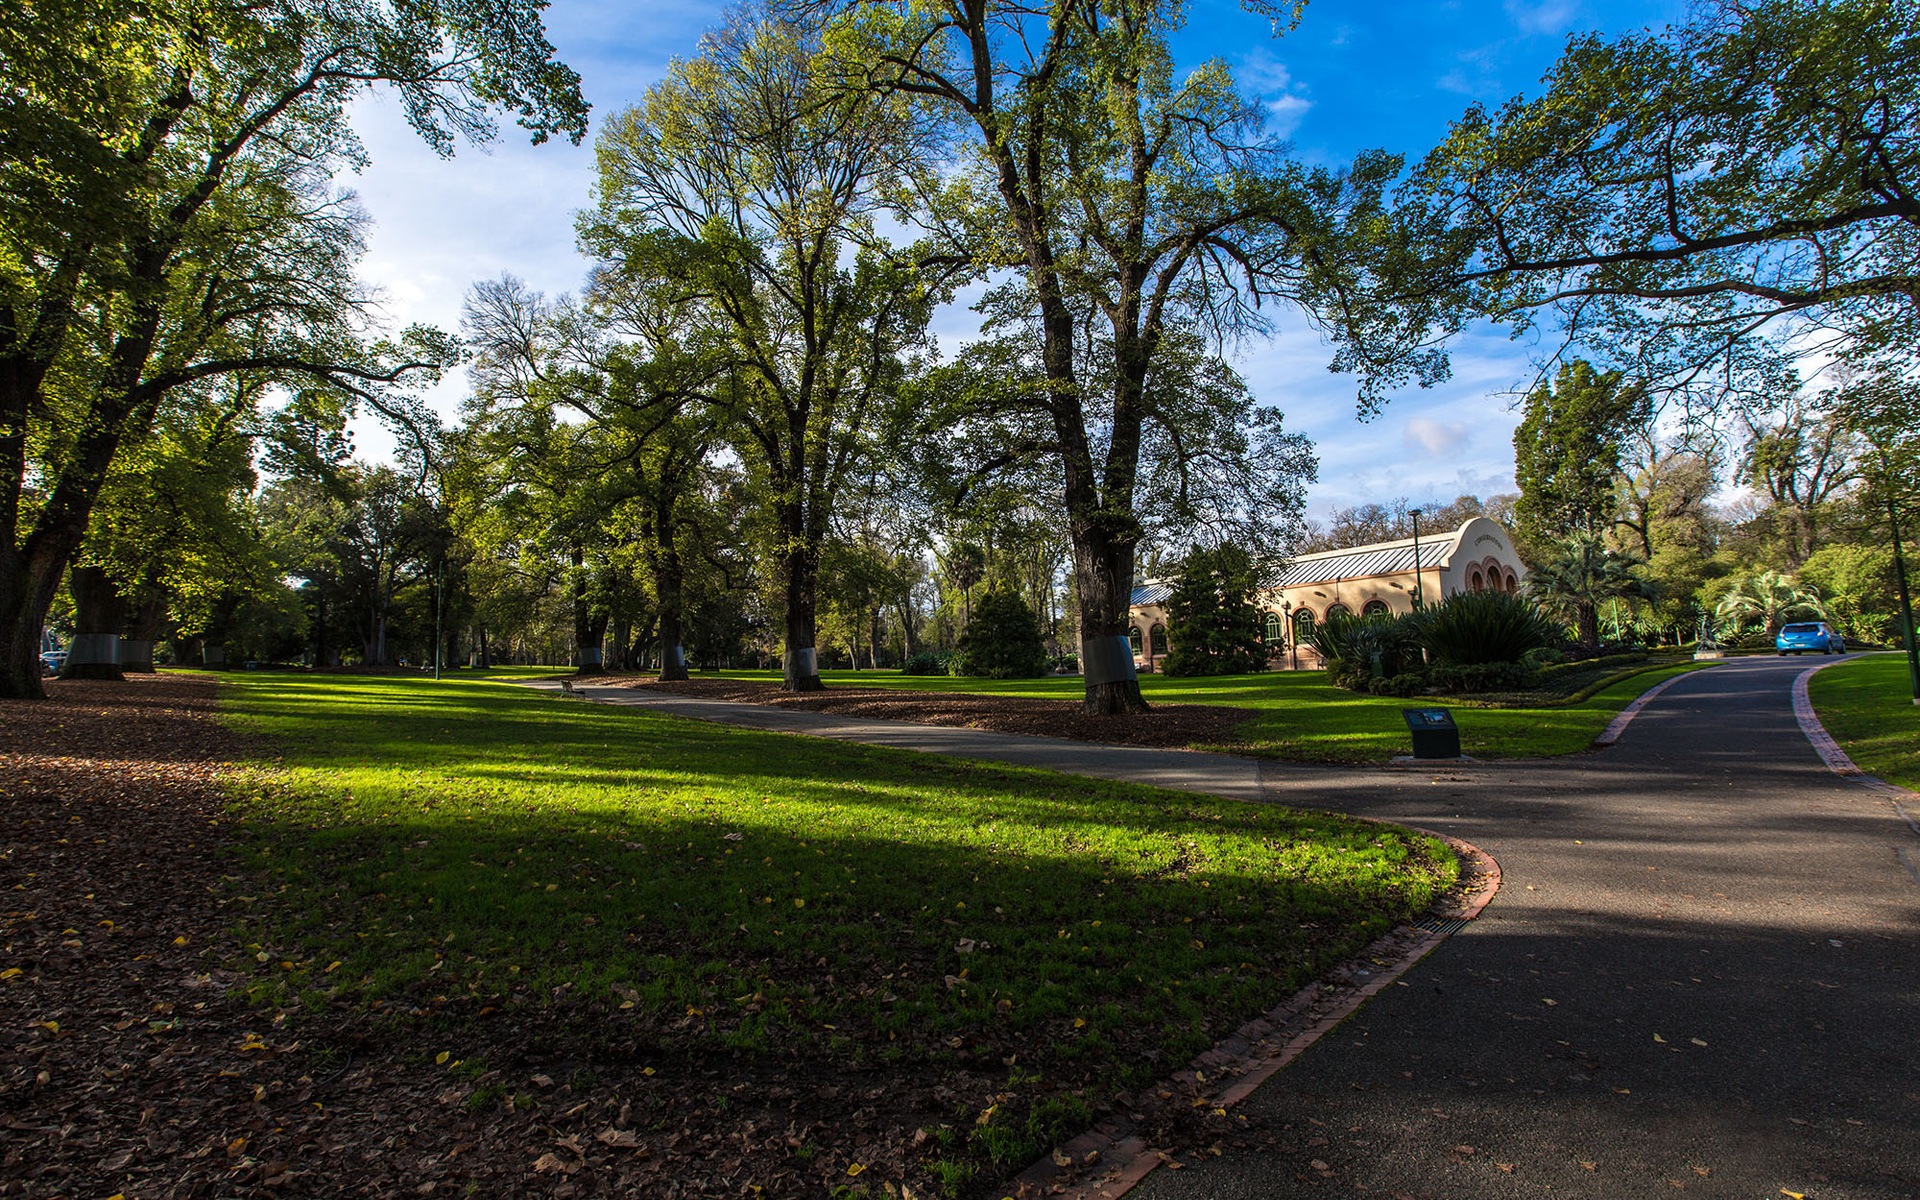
{"x":1482,"y":627}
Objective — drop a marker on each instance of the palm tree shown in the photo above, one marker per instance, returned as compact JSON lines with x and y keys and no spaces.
{"x":1771,"y":597}
{"x":1578,"y":579}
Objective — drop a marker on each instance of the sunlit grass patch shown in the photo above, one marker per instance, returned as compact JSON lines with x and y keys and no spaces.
{"x":1867,"y":705}
{"x":1301,"y":717}
{"x":459,"y":846}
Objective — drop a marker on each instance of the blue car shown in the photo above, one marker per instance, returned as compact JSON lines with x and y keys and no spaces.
{"x":1809,"y":635}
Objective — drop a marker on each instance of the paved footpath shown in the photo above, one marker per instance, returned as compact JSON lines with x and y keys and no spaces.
{"x":1701,"y":975}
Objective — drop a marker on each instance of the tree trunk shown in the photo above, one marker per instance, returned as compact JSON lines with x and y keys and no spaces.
{"x":98,"y":614}
{"x":143,"y":630}
{"x":1588,"y":616}
{"x":1105,"y":568}
{"x":799,"y":664}
{"x":586,"y":641}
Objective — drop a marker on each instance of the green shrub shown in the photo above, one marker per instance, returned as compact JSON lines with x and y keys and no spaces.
{"x":1409,"y":683}
{"x":1479,"y":677}
{"x":1470,"y":628}
{"x":1002,"y":641}
{"x":1212,"y":622}
{"x":1358,"y":649}
{"x":1608,"y":662}
{"x":926,"y":662}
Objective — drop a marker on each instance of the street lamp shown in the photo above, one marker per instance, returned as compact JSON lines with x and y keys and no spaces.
{"x":1418,"y":599}
{"x":1906,"y":598}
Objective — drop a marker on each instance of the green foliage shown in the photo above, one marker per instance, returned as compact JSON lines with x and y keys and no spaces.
{"x":927,"y":662}
{"x":1771,"y":599}
{"x":1478,"y":677}
{"x":1471,"y":628}
{"x":1579,"y":575}
{"x":1566,"y":452}
{"x":1860,"y":589}
{"x":1002,"y":641}
{"x":1674,"y":191}
{"x":1358,"y":649}
{"x":173,"y":218}
{"x":1213,"y":625}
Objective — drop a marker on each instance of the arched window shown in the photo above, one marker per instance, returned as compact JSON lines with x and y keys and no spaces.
{"x":1374,"y":608}
{"x":1276,"y":632}
{"x":1133,"y":635}
{"x":1157,"y":638}
{"x":1335,"y":610}
{"x":1474,"y":582}
{"x":1302,"y":624}
{"x":1513,"y":584}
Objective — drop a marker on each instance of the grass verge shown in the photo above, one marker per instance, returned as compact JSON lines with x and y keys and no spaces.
{"x":1867,"y":705}
{"x":449,"y":853}
{"x":1302,"y":718}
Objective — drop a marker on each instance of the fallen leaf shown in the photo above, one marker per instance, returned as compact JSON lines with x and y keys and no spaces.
{"x":1696,"y":1041}
{"x":1587,"y":1166}
{"x":1061,"y":1158}
{"x":1658,"y":1038}
{"x":1505,"y":1168}
{"x":440,"y":1059}
{"x":1463,"y":1150}
{"x":550,"y":1162}
{"x":619,"y":1139}
{"x":855,"y":1168}
{"x":1551,"y":1003}
{"x":11,"y":973}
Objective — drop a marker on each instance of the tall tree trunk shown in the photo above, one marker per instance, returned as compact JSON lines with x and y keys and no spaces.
{"x":1587,"y":614}
{"x":799,"y":663}
{"x":1105,"y":570}
{"x":586,"y":643}
{"x":98,"y":614}
{"x":668,"y":582}
{"x":143,"y":629}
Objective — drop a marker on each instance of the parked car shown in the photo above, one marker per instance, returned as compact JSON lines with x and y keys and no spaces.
{"x":1809,"y":635}
{"x":51,"y":661}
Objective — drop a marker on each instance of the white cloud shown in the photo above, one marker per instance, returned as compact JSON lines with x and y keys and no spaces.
{"x":1285,"y":114}
{"x":1270,"y":80}
{"x":1546,"y":17}
{"x":1437,"y":438}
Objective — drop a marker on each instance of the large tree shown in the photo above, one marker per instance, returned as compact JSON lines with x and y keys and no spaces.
{"x":753,"y":191}
{"x":1672,"y":193}
{"x":1140,"y":212}
{"x":170,"y":217}
{"x":1567,"y":453}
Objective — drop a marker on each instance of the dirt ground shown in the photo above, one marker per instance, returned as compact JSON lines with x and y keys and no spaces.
{"x":1165,"y":725}
{"x":132,"y":1064}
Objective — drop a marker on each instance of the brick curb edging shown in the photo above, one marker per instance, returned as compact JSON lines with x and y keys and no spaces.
{"x":1229,"y":1073}
{"x":1836,"y":759}
{"x":1625,"y":716}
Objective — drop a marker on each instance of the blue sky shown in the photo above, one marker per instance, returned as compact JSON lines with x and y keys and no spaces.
{"x":1351,"y":76}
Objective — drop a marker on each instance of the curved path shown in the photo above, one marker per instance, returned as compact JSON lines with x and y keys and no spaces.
{"x":1701,"y":975}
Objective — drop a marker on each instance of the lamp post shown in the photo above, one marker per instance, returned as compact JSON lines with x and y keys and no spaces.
{"x":1418,"y":598}
{"x":439,"y":609}
{"x":1906,"y":598}
{"x":1293,"y":634}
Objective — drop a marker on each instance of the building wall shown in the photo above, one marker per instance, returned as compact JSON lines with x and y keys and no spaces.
{"x":1480,"y":557}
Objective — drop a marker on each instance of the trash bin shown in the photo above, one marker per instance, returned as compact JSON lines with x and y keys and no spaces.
{"x":1434,"y":733}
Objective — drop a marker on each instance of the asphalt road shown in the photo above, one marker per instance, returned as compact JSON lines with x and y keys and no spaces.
{"x":1701,"y":976}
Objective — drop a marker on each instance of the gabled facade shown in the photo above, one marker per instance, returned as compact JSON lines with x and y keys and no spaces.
{"x":1479,"y":556}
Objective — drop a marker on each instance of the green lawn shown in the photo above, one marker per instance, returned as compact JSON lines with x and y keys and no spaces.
{"x":444,"y":851}
{"x":1303,"y":718}
{"x":1867,"y":705}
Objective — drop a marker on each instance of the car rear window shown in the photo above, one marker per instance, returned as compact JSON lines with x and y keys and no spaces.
{"x":1801,"y":629}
